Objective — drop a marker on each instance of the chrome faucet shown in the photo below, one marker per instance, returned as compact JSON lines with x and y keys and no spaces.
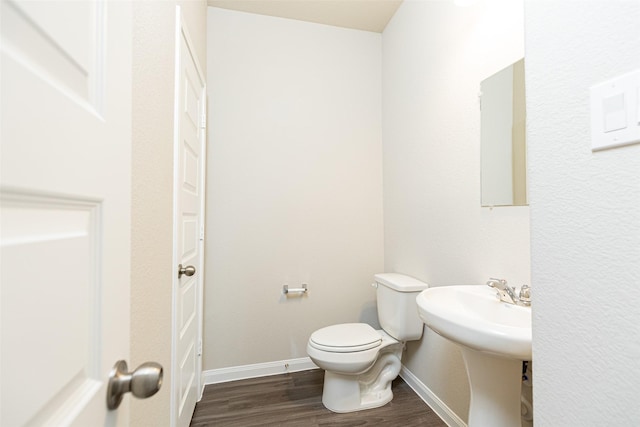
{"x":507,"y":293}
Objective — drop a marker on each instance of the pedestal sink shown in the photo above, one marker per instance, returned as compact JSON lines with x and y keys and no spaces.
{"x":494,"y":336}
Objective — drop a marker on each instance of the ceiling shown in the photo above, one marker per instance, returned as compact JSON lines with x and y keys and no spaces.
{"x":367,"y":15}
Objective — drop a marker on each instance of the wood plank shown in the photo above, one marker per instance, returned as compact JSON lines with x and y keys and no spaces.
{"x":296,"y":400}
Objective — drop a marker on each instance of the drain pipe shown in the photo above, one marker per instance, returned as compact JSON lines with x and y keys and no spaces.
{"x":526,"y":408}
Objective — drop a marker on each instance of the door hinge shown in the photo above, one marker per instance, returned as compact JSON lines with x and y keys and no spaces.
{"x":202,"y":232}
{"x":199,"y":347}
{"x":203,"y":121}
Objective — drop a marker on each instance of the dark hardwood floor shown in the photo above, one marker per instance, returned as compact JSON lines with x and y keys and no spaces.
{"x":296,"y":400}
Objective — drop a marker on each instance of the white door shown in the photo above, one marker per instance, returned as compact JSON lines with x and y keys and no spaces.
{"x":189,"y":228}
{"x":65,"y":199}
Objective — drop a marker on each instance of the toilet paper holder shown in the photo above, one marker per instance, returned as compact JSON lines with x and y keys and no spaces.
{"x":287,"y":290}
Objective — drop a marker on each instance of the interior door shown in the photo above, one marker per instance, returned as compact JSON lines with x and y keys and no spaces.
{"x":189,"y":229}
{"x":65,"y":209}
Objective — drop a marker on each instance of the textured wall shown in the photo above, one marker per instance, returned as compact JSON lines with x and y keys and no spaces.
{"x":294,"y":184}
{"x":585,"y":216}
{"x":434,"y":57}
{"x":152,"y":190}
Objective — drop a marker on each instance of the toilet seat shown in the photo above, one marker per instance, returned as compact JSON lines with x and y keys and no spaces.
{"x":346,"y":338}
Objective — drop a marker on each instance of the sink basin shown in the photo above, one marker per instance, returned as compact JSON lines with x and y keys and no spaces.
{"x":494,"y":338}
{"x":473,"y":316}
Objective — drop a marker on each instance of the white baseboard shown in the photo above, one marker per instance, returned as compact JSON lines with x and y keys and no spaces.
{"x":234,"y":373}
{"x":438,"y":406}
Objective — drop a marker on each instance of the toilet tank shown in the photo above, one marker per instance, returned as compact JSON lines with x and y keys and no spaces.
{"x":397,"y":307}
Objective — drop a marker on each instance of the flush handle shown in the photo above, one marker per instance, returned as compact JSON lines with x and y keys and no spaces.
{"x":143,"y":382}
{"x":189,"y":270}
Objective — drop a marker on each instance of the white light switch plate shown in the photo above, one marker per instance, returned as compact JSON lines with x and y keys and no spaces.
{"x":615,"y":112}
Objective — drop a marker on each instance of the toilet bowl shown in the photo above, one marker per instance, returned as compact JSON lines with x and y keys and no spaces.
{"x":353,"y":379}
{"x":360,"y":362}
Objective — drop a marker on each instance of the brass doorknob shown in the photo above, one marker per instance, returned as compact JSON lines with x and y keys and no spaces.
{"x":189,"y":270}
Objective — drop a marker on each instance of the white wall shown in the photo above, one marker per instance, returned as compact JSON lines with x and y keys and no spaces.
{"x":294,"y":185}
{"x":152,"y":266}
{"x":434,"y":57}
{"x":585,"y":215}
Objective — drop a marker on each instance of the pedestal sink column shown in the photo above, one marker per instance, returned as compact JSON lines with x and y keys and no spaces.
{"x":495,"y":384}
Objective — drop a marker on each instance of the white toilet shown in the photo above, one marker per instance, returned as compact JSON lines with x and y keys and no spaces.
{"x":360,"y":362}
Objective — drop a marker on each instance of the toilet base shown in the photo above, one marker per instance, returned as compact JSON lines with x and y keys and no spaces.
{"x":341,"y":394}
{"x":350,"y":393}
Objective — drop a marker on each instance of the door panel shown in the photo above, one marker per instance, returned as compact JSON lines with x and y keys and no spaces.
{"x":49,"y":249}
{"x":67,"y":51}
{"x":65,"y":208}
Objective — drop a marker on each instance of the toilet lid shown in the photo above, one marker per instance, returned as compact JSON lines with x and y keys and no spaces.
{"x":346,"y":338}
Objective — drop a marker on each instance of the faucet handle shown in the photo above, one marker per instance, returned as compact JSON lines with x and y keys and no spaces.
{"x":492,"y":282}
{"x":525,"y":293}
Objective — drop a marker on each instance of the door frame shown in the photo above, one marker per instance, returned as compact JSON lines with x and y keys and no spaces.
{"x":181,"y":30}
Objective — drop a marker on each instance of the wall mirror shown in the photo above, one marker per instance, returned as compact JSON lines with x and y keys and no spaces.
{"x":503,"y":138}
